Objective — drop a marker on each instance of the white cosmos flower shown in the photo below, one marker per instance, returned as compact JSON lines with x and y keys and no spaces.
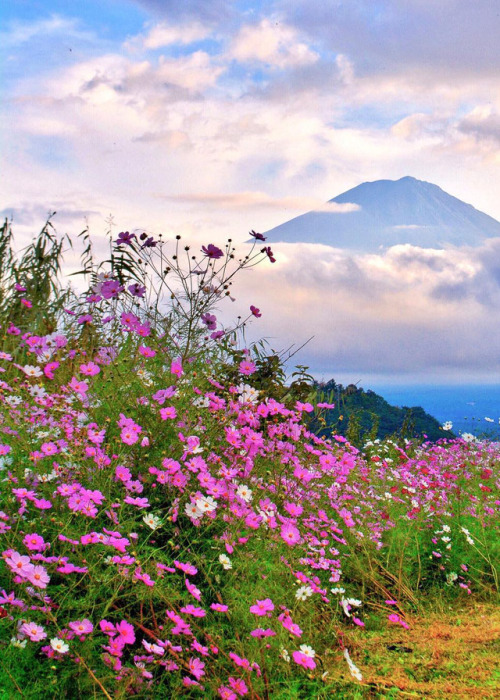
{"x":31,"y":371}
{"x":355,"y":672}
{"x":206,"y":504}
{"x":225,"y":561}
{"x":304,"y":592}
{"x":193,"y":511}
{"x":59,"y":645}
{"x":284,"y":654}
{"x":244,"y":492}
{"x":448,"y":425}
{"x":19,"y":643}
{"x":152,"y":521}
{"x":307,"y":651}
{"x":489,"y":420}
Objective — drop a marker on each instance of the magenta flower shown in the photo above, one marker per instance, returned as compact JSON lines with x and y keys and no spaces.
{"x":238,"y":685}
{"x":196,"y":667}
{"x":195,"y":592}
{"x":261,"y":633}
{"x":246,"y":367}
{"x":394,"y":617}
{"x":168,"y":413}
{"x":255,"y":311}
{"x":303,"y":660}
{"x":38,"y":577}
{"x":186,"y":567}
{"x":262,"y":607}
{"x":81,"y":626}
{"x":126,"y":632}
{"x":211,"y":251}
{"x":79,"y":387}
{"x":290,"y":534}
{"x":219,"y":607}
{"x":34,"y":542}
{"x":19,"y":564}
{"x":176,"y":368}
{"x":193,"y":610}
{"x":33,"y":631}
{"x":90,"y":369}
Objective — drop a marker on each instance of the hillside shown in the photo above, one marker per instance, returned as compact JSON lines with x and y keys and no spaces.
{"x":366,"y":413}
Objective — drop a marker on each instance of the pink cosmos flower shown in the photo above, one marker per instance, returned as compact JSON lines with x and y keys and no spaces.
{"x":19,"y":564}
{"x":196,"y":667}
{"x":218,"y":607}
{"x":126,"y":632}
{"x":147,"y":351}
{"x":195,"y":592}
{"x":290,"y":534}
{"x":193,"y":610}
{"x":33,"y":631}
{"x":39,"y":577}
{"x":176,"y":368}
{"x":78,"y":387}
{"x":292,"y":627}
{"x":186,"y":567}
{"x":81,"y":626}
{"x":238,"y":685}
{"x":246,"y":367}
{"x":261,"y":633}
{"x":303,"y":660}
{"x":107,"y":627}
{"x":168,"y":413}
{"x":129,"y":436}
{"x":262,"y":607}
{"x":34,"y":542}
{"x":398,"y":620}
{"x":90,"y":369}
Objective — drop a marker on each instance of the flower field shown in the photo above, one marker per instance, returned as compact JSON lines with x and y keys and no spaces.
{"x":169,"y":525}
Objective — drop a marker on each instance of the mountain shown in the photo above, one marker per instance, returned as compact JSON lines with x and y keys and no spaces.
{"x":391,"y":212}
{"x":360,"y":415}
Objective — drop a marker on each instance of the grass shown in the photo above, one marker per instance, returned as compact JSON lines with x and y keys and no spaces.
{"x":452,"y":654}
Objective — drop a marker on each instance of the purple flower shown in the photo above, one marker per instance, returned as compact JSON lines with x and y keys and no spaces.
{"x":269,"y":253}
{"x":149,"y":242}
{"x":257,"y":236}
{"x":216,"y":335}
{"x":137,"y":290}
{"x":125,"y":237}
{"x":209,"y":320}
{"x":255,"y":311}
{"x":211,"y":251}
{"x":110,"y":289}
{"x":86,"y":318}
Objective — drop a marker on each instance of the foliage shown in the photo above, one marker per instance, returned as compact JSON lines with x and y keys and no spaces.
{"x":364,"y":415}
{"x":170,"y":524}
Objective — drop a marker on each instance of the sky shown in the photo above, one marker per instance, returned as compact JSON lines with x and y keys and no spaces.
{"x":208,"y":119}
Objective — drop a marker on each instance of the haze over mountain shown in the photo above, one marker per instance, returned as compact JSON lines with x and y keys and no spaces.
{"x":391,"y":212}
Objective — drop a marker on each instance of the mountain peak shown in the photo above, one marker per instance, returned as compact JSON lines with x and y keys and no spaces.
{"x":391,"y":212}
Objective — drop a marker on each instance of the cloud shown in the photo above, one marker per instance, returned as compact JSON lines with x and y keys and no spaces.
{"x":163,"y":34}
{"x":261,"y":199}
{"x":273,"y":43}
{"x":406,"y":311}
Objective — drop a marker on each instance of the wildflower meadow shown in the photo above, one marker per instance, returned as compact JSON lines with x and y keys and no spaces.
{"x":170,"y":526}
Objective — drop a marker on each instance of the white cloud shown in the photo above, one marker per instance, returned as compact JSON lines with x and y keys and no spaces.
{"x":164,"y":35}
{"x":273,"y":43}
